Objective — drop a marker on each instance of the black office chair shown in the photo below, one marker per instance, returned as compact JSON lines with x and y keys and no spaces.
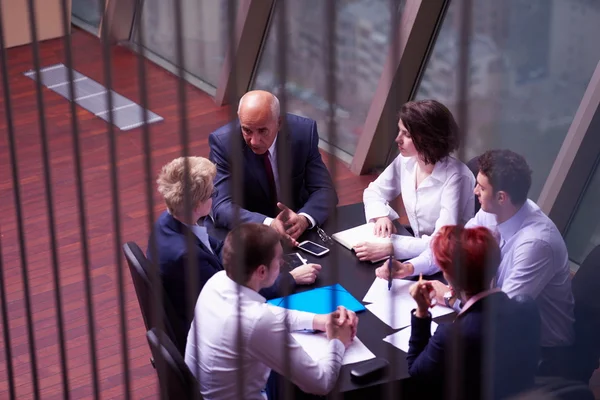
{"x":473,"y":165}
{"x":585,"y":288}
{"x":139,"y":267}
{"x":553,"y":388}
{"x":174,"y":377}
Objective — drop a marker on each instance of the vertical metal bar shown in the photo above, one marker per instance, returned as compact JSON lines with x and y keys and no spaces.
{"x":114,"y":180}
{"x":5,"y":324}
{"x":49,"y":199}
{"x":192,"y":263}
{"x":237,"y":176}
{"x":155,"y":278}
{"x":283,"y":161}
{"x":18,"y":211}
{"x":77,"y":150}
{"x":330,"y":20}
{"x":456,"y":389}
{"x":390,"y":130}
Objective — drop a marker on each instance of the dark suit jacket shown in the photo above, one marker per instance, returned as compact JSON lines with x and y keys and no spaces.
{"x":497,"y":330}
{"x":311,"y":187}
{"x":173,"y":259}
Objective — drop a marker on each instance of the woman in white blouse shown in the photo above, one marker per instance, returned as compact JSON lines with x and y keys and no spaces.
{"x":436,"y":188}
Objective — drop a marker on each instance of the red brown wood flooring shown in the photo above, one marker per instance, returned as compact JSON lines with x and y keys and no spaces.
{"x":203,"y":118}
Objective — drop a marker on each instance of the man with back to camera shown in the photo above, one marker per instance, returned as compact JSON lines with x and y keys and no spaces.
{"x":258,"y":128}
{"x":252,"y":255}
{"x":534,"y":254}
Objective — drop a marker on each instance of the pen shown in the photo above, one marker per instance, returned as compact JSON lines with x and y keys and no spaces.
{"x":390,"y":272}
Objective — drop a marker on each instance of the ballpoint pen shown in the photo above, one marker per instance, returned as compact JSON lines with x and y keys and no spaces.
{"x":390,"y":272}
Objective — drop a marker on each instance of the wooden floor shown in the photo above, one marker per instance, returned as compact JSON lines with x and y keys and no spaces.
{"x":204,"y":117}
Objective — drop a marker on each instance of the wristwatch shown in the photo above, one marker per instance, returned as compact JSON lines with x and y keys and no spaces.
{"x":448,"y":297}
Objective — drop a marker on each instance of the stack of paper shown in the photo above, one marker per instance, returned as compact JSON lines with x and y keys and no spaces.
{"x":362,"y":233}
{"x":315,"y":345}
{"x":394,"y":306}
{"x":400,"y":339}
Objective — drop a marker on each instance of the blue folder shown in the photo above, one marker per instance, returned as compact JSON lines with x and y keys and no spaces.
{"x":319,"y":301}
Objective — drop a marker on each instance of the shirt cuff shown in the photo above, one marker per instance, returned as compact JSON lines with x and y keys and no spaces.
{"x":268,"y":221}
{"x":422,"y":265}
{"x":337,"y":347}
{"x":378,"y":211}
{"x":311,"y":221}
{"x":302,"y":320}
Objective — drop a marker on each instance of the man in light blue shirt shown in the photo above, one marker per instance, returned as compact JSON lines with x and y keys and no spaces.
{"x":534,"y":254}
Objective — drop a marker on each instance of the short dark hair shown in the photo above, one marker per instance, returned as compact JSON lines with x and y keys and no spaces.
{"x":476,"y":263}
{"x":507,"y":171}
{"x":248,"y":245}
{"x":432,"y":128}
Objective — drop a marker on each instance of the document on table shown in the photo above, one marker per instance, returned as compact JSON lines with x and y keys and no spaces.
{"x":400,"y":339}
{"x":393,"y":306}
{"x":315,"y":345}
{"x":362,"y":233}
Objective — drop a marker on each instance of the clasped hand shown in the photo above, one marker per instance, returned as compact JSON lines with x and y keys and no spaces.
{"x":340,"y":324}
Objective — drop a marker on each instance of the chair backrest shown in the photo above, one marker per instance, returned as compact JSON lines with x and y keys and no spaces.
{"x":473,"y":165}
{"x":139,"y":267}
{"x":585,"y":286}
{"x":175,"y":378}
{"x":556,"y":388}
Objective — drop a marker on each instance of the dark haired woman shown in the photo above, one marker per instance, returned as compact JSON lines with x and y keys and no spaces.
{"x":436,"y":188}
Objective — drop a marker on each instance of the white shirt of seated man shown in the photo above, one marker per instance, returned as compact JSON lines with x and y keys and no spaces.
{"x":213,"y":351}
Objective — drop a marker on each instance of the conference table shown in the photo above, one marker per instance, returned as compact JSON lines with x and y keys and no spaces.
{"x":342,"y":266}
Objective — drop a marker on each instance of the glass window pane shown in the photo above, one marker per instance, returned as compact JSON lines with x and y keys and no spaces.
{"x":362,"y":36}
{"x":584,"y":232}
{"x":530,"y":63}
{"x":205,"y":34}
{"x":87,"y":11}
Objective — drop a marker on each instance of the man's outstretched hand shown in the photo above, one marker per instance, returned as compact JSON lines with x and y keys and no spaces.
{"x":294,"y":224}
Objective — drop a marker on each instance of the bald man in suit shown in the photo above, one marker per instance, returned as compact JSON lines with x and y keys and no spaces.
{"x":258,"y":129}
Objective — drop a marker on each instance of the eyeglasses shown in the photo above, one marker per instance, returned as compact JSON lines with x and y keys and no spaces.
{"x":324,"y":236}
{"x":214,"y":194}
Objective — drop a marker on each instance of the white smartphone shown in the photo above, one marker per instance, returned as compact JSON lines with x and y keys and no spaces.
{"x":313,"y":248}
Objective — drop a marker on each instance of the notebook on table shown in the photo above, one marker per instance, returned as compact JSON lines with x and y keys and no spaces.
{"x":362,"y":233}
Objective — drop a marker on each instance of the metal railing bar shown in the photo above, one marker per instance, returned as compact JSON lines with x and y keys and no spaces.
{"x":18,"y":211}
{"x":155,"y":278}
{"x":114,"y":184}
{"x":77,"y":150}
{"x":49,"y":200}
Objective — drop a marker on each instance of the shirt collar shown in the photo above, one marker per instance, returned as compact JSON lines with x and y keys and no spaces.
{"x":509,"y":227}
{"x":244,"y":291}
{"x":273,"y":148}
{"x":478,"y":297}
{"x":440,"y":170}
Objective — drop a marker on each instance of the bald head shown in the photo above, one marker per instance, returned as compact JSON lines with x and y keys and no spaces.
{"x":258,"y":113}
{"x":258,"y":102}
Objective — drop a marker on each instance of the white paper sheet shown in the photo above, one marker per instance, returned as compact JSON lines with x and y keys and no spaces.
{"x":379,"y":290}
{"x":397,"y":300}
{"x":315,"y":345}
{"x":400,"y":317}
{"x":400,"y":339}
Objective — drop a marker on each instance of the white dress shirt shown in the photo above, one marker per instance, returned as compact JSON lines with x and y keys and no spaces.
{"x":534,"y":262}
{"x":273,"y":160}
{"x":443,"y":198}
{"x":265,"y":340}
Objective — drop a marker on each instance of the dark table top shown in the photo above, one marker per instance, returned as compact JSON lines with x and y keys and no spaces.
{"x":341,"y":266}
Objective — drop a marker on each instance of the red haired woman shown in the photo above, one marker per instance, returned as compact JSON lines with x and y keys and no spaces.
{"x":491,"y":349}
